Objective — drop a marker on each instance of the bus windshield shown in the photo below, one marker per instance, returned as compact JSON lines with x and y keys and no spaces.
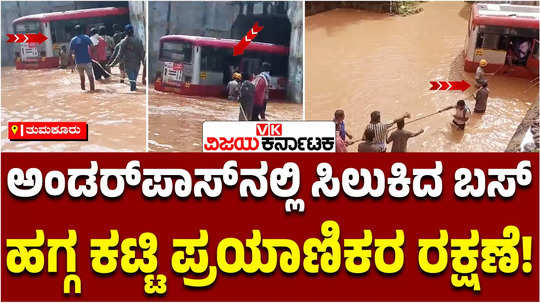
{"x":176,"y":51}
{"x":220,"y":59}
{"x":498,"y":37}
{"x":29,"y":27}
{"x":61,"y":30}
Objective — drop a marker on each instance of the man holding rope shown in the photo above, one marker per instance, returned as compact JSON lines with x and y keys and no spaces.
{"x":79,"y":46}
{"x":400,"y":137}
{"x":131,"y":53}
{"x":481,"y":98}
{"x":381,"y":129}
{"x":247,"y":93}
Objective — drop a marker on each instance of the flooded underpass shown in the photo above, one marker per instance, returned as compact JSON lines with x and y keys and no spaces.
{"x":361,"y":61}
{"x":175,"y":121}
{"x":116,"y":117}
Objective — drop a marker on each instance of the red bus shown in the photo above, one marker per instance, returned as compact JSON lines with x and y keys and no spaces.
{"x":506,"y":36}
{"x":58,"y":28}
{"x":202,"y":66}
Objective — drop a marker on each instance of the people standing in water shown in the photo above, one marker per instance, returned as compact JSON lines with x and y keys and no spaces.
{"x":481,"y":98}
{"x":247,"y":94}
{"x":233,"y":87}
{"x":339,"y":118}
{"x":400,"y":137}
{"x":118,"y":36}
{"x":110,"y":45}
{"x":262,"y":85}
{"x":79,"y":46}
{"x":341,"y":144}
{"x":131,"y":53}
{"x":462,"y":114}
{"x":369,"y":146}
{"x":381,"y":129}
{"x":480,"y":75}
{"x":98,"y":53}
{"x":63,"y":57}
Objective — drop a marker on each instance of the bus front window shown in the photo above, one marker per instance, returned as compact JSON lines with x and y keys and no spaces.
{"x":30,"y":27}
{"x":176,"y":52}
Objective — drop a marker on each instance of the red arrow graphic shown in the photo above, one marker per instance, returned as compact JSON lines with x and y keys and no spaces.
{"x":26,"y":38}
{"x":449,"y":85}
{"x":246,"y":40}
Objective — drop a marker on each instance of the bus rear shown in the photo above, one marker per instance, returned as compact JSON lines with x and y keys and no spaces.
{"x":504,"y":35}
{"x":203,"y":66}
{"x":33,"y":55}
{"x":58,"y":27}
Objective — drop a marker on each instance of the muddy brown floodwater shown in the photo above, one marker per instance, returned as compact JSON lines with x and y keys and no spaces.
{"x":361,"y":62}
{"x":175,"y":121}
{"x":116,"y":117}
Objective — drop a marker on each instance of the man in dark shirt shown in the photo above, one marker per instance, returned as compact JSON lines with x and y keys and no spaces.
{"x":369,"y":146}
{"x":131,"y":53}
{"x":481,"y":98}
{"x":400,"y":137}
{"x":247,"y":93}
{"x":79,"y":46}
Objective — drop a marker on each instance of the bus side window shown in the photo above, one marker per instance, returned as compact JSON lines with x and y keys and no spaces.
{"x":488,"y":41}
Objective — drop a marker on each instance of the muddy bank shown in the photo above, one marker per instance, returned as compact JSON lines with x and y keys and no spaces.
{"x":175,"y":121}
{"x":523,"y":127}
{"x":362,"y":61}
{"x":387,"y":7}
{"x":116,"y":117}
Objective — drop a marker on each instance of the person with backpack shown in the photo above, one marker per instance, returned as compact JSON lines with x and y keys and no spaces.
{"x":247,"y":93}
{"x":262,"y":86}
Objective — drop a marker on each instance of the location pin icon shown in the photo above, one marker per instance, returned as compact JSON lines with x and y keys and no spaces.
{"x":14,"y":129}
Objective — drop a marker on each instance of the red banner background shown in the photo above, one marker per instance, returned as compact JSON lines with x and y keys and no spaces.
{"x":230,"y":216}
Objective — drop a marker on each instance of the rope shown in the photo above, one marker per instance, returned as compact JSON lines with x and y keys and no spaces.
{"x":243,"y":112}
{"x":104,"y":70}
{"x":423,"y":117}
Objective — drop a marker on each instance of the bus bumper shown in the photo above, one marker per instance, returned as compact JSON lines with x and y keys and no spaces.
{"x":517,"y":71}
{"x":46,"y":62}
{"x":209,"y":90}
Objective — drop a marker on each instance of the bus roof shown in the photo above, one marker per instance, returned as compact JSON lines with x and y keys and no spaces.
{"x":77,"y":14}
{"x":517,"y":16}
{"x":228,"y":43}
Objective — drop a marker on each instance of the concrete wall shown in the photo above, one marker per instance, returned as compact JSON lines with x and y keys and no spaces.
{"x":137,"y":17}
{"x":187,"y":18}
{"x":12,"y":10}
{"x":216,"y":19}
{"x":296,"y":56}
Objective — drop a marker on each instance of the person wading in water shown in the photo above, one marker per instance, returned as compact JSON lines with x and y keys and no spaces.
{"x":381,"y":129}
{"x":247,"y":93}
{"x":131,"y":53}
{"x":79,"y":46}
{"x":262,"y":85}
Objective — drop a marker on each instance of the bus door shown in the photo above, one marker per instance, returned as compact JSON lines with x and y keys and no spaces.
{"x":250,"y":65}
{"x":532,"y":61}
